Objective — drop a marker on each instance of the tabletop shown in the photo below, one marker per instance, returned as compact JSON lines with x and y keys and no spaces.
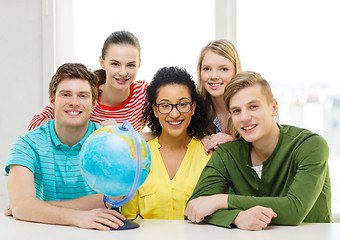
{"x":165,"y":229}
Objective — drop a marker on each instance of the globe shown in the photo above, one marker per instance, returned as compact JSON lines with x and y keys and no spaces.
{"x":115,"y":161}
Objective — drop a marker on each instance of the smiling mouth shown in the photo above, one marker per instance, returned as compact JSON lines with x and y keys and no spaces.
{"x":175,"y":123}
{"x":215,"y":84}
{"x":250,"y":127}
{"x":73,"y":113}
{"x":122,"y":80}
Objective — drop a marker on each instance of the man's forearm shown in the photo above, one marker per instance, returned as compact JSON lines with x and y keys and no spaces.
{"x":84,"y":203}
{"x":35,"y":210}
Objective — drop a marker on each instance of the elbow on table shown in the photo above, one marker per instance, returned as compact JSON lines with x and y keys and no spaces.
{"x":19,"y":211}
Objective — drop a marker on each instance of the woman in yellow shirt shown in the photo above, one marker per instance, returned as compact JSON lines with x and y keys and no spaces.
{"x":174,"y":113}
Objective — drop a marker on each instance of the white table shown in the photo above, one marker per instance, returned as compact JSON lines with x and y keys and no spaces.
{"x":163,"y":230}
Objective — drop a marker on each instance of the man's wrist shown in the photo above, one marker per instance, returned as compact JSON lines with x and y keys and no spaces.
{"x":223,"y":201}
{"x":226,"y":196}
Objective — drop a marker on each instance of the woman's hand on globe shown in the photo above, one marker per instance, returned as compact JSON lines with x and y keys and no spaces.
{"x":100,"y":218}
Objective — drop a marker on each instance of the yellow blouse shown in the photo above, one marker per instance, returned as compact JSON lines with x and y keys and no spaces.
{"x":162,"y":198}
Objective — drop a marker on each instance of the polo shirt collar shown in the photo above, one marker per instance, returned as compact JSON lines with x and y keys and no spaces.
{"x":58,"y":143}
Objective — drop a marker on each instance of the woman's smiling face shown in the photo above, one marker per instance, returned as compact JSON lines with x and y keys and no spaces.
{"x":174,"y":123}
{"x":216,"y":72}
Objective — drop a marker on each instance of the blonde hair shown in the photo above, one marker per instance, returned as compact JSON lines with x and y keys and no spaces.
{"x":226,"y":49}
{"x":241,"y":81}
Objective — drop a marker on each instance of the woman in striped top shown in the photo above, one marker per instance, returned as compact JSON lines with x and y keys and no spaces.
{"x":120,"y":96}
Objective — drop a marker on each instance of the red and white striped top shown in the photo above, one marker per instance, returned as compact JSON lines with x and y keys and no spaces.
{"x":131,"y":110}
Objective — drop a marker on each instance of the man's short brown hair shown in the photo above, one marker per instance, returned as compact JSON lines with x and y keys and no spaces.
{"x":73,"y":71}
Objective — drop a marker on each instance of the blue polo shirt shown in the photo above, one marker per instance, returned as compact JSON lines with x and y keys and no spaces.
{"x":55,"y":166}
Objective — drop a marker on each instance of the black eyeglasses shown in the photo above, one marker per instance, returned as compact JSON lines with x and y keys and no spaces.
{"x":183,"y":107}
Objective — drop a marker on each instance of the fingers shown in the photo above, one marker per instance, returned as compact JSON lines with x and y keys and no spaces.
{"x":254,"y":219}
{"x":191,"y":213}
{"x":197,"y":209}
{"x":268,"y":212}
{"x":114,"y":218}
{"x":119,"y":215}
{"x":103,"y":219}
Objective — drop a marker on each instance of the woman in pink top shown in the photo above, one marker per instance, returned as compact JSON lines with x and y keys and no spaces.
{"x":120,"y":96}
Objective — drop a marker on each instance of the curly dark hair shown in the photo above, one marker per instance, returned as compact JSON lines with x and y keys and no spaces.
{"x":174,"y":75}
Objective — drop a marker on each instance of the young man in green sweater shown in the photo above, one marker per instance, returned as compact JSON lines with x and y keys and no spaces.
{"x":279,"y":173}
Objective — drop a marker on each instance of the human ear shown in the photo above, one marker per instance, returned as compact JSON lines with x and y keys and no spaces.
{"x":101,"y":61}
{"x":275,"y":107}
{"x":52,"y":102}
{"x":193,"y":107}
{"x":155,"y":110}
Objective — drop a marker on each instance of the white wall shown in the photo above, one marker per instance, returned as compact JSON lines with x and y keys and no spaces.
{"x":21,"y":68}
{"x":21,"y":78}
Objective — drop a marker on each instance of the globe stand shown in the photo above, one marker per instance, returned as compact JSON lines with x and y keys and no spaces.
{"x":128,"y":224}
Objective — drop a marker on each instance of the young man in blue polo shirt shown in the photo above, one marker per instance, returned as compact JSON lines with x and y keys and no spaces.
{"x":45,"y":183}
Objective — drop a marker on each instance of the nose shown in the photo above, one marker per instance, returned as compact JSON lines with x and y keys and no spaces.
{"x":214,"y":74}
{"x":123,"y":71}
{"x":245,"y":116}
{"x":74,"y":101}
{"x":174,"y":113}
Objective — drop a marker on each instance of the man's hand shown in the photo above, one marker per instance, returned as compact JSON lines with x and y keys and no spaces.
{"x":255,"y":218}
{"x":211,"y":142}
{"x":197,"y":209}
{"x":100,"y":218}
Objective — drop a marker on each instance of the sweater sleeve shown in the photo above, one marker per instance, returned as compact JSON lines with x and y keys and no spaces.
{"x":215,"y":180}
{"x":312,"y":169}
{"x":38,"y":119}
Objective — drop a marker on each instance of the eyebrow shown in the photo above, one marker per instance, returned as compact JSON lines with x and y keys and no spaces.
{"x":181,"y":99}
{"x":69,"y":91}
{"x":113,"y":60}
{"x":250,"y":102}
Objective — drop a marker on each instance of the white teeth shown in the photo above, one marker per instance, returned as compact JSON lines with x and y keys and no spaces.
{"x":73,"y":113}
{"x":215,"y":84}
{"x":174,"y":123}
{"x":250,"y":127}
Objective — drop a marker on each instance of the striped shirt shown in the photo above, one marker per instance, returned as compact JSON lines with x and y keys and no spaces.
{"x":55,"y":166}
{"x":131,"y":110}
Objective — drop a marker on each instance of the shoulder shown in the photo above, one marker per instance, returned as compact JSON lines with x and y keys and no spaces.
{"x":237,"y":145}
{"x":302,"y":145}
{"x":95,"y":125}
{"x":139,"y":85}
{"x":25,"y":150}
{"x":196,"y":144}
{"x":197,"y":148}
{"x":236,"y":151}
{"x":153,"y":143}
{"x":41,"y":133}
{"x":299,"y":135}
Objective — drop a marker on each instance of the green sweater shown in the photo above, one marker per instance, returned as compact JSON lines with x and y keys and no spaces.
{"x":294,"y":182}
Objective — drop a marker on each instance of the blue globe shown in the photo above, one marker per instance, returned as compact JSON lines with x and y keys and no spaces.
{"x":108,"y":160}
